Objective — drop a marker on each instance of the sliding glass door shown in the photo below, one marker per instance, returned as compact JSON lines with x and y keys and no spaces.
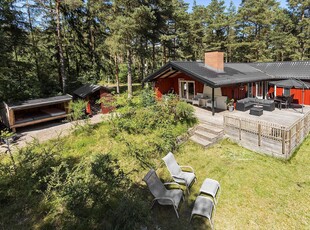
{"x":186,"y":89}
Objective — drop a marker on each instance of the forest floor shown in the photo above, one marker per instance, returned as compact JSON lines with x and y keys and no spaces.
{"x":48,"y":131}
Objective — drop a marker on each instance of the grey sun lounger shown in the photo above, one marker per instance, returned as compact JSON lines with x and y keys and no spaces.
{"x":178,"y":175}
{"x":161,"y":194}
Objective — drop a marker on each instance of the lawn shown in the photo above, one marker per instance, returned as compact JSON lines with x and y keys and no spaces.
{"x":61,"y":189}
{"x":258,"y":192}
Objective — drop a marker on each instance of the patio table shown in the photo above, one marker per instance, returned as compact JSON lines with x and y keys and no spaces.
{"x":256,"y":111}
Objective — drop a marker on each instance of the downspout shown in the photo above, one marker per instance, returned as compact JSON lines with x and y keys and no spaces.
{"x":212,"y":101}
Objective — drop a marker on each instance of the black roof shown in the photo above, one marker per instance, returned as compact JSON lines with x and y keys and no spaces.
{"x":86,"y":90}
{"x":39,"y":102}
{"x":291,"y":83}
{"x":234,"y":72}
{"x":285,"y":70}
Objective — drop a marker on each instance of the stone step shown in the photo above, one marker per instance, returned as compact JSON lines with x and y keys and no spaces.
{"x":210,"y":128}
{"x":206,"y":135}
{"x":200,"y":140}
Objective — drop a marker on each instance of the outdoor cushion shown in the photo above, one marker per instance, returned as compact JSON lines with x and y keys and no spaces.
{"x":53,"y":111}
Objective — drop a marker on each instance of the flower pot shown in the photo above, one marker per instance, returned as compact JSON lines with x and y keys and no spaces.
{"x":231,"y":108}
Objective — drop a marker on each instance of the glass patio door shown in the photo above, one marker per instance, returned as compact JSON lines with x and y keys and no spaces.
{"x":261,"y":89}
{"x":187,"y":89}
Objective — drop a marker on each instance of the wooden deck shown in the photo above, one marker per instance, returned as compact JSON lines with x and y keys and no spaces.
{"x":277,"y":133}
{"x":283,"y":117}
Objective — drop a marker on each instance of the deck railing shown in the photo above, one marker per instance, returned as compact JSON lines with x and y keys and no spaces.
{"x":268,"y":137}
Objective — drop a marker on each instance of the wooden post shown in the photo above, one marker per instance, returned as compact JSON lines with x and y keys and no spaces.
{"x":259,"y":134}
{"x":11,"y":117}
{"x":290,"y":140}
{"x":283,"y":140}
{"x":239,"y":129}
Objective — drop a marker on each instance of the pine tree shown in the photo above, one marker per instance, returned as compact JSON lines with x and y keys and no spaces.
{"x":215,"y":26}
{"x":300,"y":13}
{"x":254,"y":25}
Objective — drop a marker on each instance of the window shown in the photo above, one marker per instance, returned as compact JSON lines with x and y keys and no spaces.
{"x":286,"y":92}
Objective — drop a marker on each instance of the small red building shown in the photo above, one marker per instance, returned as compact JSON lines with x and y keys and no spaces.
{"x":218,"y":81}
{"x":98,"y":98}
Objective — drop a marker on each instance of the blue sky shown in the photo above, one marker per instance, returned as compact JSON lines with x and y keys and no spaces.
{"x":236,"y":2}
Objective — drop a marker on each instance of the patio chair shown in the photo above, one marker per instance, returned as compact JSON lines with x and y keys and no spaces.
{"x":178,"y":175}
{"x":161,"y":194}
{"x":196,"y":99}
{"x":287,"y":101}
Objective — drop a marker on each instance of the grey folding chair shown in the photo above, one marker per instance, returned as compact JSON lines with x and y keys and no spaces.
{"x":178,"y":175}
{"x":161,"y":194}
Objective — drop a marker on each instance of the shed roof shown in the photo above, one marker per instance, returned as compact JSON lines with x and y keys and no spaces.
{"x":233,"y":73}
{"x":39,"y":102}
{"x":86,"y":90}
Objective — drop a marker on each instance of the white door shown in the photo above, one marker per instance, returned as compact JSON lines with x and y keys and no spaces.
{"x":186,"y":89}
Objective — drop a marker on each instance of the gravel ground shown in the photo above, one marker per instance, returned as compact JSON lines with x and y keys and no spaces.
{"x":47,"y":131}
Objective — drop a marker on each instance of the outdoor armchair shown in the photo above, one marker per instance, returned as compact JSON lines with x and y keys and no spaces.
{"x":196,"y":99}
{"x":161,"y":194}
{"x":178,"y":175}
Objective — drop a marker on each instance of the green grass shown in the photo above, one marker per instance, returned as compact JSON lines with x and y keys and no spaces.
{"x":257,"y":192}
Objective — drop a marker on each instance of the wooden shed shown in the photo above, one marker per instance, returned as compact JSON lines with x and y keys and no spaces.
{"x":92,"y":94}
{"x":36,"y":111}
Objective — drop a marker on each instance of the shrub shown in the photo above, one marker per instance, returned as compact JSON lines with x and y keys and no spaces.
{"x":77,"y":109}
{"x":147,"y":97}
{"x":184,"y":112}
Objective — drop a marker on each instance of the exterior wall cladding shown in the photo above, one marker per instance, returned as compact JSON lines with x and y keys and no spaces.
{"x":163,"y":85}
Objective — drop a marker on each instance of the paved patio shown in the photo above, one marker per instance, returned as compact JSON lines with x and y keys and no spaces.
{"x":47,"y":131}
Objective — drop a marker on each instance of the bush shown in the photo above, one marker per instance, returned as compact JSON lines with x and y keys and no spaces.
{"x":77,"y":109}
{"x":185,"y":112}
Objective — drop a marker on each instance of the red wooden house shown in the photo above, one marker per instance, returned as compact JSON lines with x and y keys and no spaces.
{"x":97,"y":98}
{"x":218,"y":81}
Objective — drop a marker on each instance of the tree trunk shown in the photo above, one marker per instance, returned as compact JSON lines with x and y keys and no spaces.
{"x":34,"y":44}
{"x":60,"y":49}
{"x":129,"y":76}
{"x":153,"y":57}
{"x":116,"y":73}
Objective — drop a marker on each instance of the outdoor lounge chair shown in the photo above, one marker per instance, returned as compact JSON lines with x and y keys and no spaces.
{"x":162,"y":195}
{"x":179,"y":176}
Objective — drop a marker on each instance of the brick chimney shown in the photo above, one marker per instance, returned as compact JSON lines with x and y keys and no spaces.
{"x":215,"y":60}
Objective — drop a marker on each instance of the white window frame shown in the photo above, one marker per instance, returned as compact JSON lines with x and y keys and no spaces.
{"x":180,"y":88}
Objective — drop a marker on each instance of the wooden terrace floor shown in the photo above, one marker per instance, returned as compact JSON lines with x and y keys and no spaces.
{"x":284,"y":117}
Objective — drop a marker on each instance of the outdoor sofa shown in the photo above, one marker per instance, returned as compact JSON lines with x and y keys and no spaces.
{"x":247,"y":103}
